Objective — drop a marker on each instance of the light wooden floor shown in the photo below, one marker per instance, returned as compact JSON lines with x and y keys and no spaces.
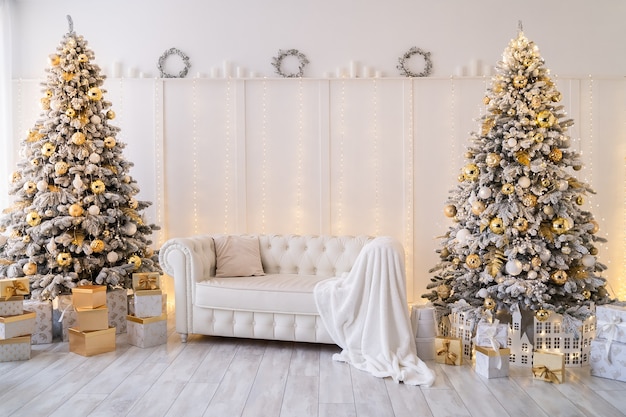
{"x":228,"y":377}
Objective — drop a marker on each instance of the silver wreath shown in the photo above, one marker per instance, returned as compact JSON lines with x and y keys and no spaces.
{"x":428,"y":63}
{"x":277,"y":62}
{"x":167,"y":54}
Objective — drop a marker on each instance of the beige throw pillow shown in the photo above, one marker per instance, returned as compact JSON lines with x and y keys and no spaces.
{"x":237,"y":256}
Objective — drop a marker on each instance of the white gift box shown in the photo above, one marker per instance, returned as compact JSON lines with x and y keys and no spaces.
{"x":147,"y":332}
{"x":117,"y":303}
{"x":11,"y":306}
{"x":425,"y":348}
{"x":493,"y":335}
{"x":608,"y":360}
{"x":20,"y":325}
{"x":491,"y":363}
{"x":148,"y":303}
{"x":611,"y":323}
{"x":42,"y":333}
{"x":423,"y":321}
{"x":15,"y":349}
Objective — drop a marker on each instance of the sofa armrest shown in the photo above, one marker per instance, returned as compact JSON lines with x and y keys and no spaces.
{"x":187,"y":260}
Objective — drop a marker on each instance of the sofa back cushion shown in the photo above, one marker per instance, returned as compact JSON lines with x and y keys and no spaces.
{"x":328,"y":256}
{"x":237,"y":256}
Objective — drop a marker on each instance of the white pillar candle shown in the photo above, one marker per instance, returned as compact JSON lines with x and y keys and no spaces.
{"x":328,"y":75}
{"x":241,"y":72}
{"x":365,"y":72}
{"x":487,"y":70}
{"x":228,"y":68}
{"x":354,"y":69}
{"x":215,"y":72}
{"x":378,"y":74}
{"x":459,"y":71}
{"x":474,"y":67}
{"x":132,"y":72}
{"x":116,"y":72}
{"x":341,"y":72}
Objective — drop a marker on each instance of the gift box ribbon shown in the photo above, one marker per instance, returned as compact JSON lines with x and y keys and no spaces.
{"x":609,"y":330}
{"x":544,"y":372}
{"x":148,"y":283}
{"x":17,"y":289}
{"x":450,"y":357}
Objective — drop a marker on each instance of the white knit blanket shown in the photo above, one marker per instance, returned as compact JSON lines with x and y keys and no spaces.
{"x":366,"y":314}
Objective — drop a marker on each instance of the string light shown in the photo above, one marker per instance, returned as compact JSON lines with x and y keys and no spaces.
{"x":621,"y":285}
{"x":300,"y":157}
{"x":453,"y":122}
{"x":227,"y":155}
{"x":342,"y":134}
{"x":408,"y":194}
{"x":194,"y":146}
{"x":158,"y":154}
{"x":376,"y":159}
{"x":264,"y":155}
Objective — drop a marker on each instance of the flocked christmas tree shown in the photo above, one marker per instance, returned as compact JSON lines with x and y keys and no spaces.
{"x":74,"y":218}
{"x":521,"y":236}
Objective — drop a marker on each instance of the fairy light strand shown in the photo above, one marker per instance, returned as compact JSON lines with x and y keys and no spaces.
{"x":300,"y":157}
{"x":408,"y":235}
{"x":264,"y":155}
{"x":375,"y":147}
{"x":194,"y":146}
{"x":227,"y":168}
{"x":158,"y":150}
{"x":342,"y":135}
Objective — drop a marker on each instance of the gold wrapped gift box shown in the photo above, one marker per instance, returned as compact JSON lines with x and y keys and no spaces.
{"x":10,"y":287}
{"x":92,"y":318}
{"x":491,"y":363}
{"x":92,"y":342}
{"x":449,"y":350}
{"x":89,"y":296}
{"x":146,"y":281}
{"x":549,"y":366}
{"x":20,"y":325}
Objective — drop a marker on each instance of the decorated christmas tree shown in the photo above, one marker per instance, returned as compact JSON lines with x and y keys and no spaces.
{"x":74,"y":218}
{"x":521,"y":236}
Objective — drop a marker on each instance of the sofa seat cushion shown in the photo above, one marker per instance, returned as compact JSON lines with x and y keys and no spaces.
{"x":276,"y":293}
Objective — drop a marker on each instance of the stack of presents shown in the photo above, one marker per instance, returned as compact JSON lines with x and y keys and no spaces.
{"x":89,"y":318}
{"x":543,"y":346}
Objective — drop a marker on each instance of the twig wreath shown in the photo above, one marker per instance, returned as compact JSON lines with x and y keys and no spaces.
{"x":167,"y":54}
{"x":428,"y":64}
{"x":277,"y":62}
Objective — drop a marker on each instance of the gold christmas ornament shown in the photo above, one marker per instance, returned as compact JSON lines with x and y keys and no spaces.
{"x":535,"y":102}
{"x":78,"y":138}
{"x":586,"y":294}
{"x":523,"y":158}
{"x":560,"y":226}
{"x":542,"y":315}
{"x":486,"y":100}
{"x":538,"y":137}
{"x":556,"y":97}
{"x":44,"y":103}
{"x":148,"y":252}
{"x":488,"y":124}
{"x":94,"y":93}
{"x":33,"y":218}
{"x":64,"y":259}
{"x":449,"y":210}
{"x":545,"y":119}
{"x":520,"y":81}
{"x":580,"y":200}
{"x":493,"y":160}
{"x":471,"y":172}
{"x":47,"y":149}
{"x":595,"y":228}
{"x":48,"y":93}
{"x":97,"y":187}
{"x":489,"y":303}
{"x":109,"y":142}
{"x":511,"y":112}
{"x":577,"y":167}
{"x":593,"y":250}
{"x":445,"y":252}
{"x":16,"y":176}
{"x":34,"y":162}
{"x":559,"y":277}
{"x":135,"y":260}
{"x":97,"y":245}
{"x":555,"y":155}
{"x":521,"y":224}
{"x":29,"y":268}
{"x":535,"y":262}
{"x":110,"y":114}
{"x":61,"y":167}
{"x":461,"y":178}
{"x":30,"y":187}
{"x":546,"y":182}
{"x":443,"y":291}
{"x":529,"y":200}
{"x":473,"y":261}
{"x":496,"y":225}
{"x":70,"y":112}
{"x":68,"y":76}
{"x":478,"y":207}
{"x":508,"y":189}
{"x":75,"y":210}
{"x":54,"y":60}
{"x":133,"y":203}
{"x":82,"y":58}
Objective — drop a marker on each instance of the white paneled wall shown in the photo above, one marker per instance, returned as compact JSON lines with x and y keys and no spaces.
{"x":334,"y":156}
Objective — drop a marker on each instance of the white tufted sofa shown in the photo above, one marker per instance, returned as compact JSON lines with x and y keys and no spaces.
{"x":278,"y":305}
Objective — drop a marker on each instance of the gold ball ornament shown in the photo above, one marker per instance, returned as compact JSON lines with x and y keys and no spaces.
{"x":33,"y":218}
{"x":94,"y":93}
{"x":82,"y":58}
{"x":54,"y":60}
{"x":64,"y":259}
{"x":496,"y":225}
{"x":135,"y":260}
{"x":110,"y":114}
{"x":133,"y":203}
{"x":47,"y":149}
{"x":44,"y":103}
{"x":461,"y":177}
{"x":97,"y":187}
{"x":520,"y":81}
{"x":61,"y":167}
{"x":560,"y":226}
{"x":595,"y":228}
{"x":488,"y":124}
{"x":29,"y":268}
{"x":535,"y":102}
{"x":445,"y":252}
{"x":529,"y":200}
{"x":79,"y":138}
{"x":555,"y":155}
{"x":469,"y":155}
{"x":586,"y":294}
{"x":486,"y":100}
{"x":109,"y":142}
{"x":520,"y":224}
{"x":478,"y":207}
{"x":473,"y":261}
{"x":48,"y":93}
{"x":449,"y":210}
{"x":489,"y":303}
{"x":538,"y":137}
{"x":97,"y":245}
{"x":507,"y":189}
{"x":580,"y":200}
{"x":70,"y":112}
{"x":556,"y":97}
{"x":34,"y":162}
{"x":545,"y":118}
{"x":542,"y":315}
{"x":593,"y":250}
{"x":16,"y":176}
{"x":577,"y":167}
{"x":493,"y":160}
{"x":75,"y":210}
{"x":29,"y":187}
{"x":511,"y":112}
{"x":535,"y":262}
{"x":559,"y":277}
{"x":68,"y":76}
{"x":546,"y":182}
{"x":443,"y":291}
{"x":471,"y":172}
{"x":148,"y":252}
